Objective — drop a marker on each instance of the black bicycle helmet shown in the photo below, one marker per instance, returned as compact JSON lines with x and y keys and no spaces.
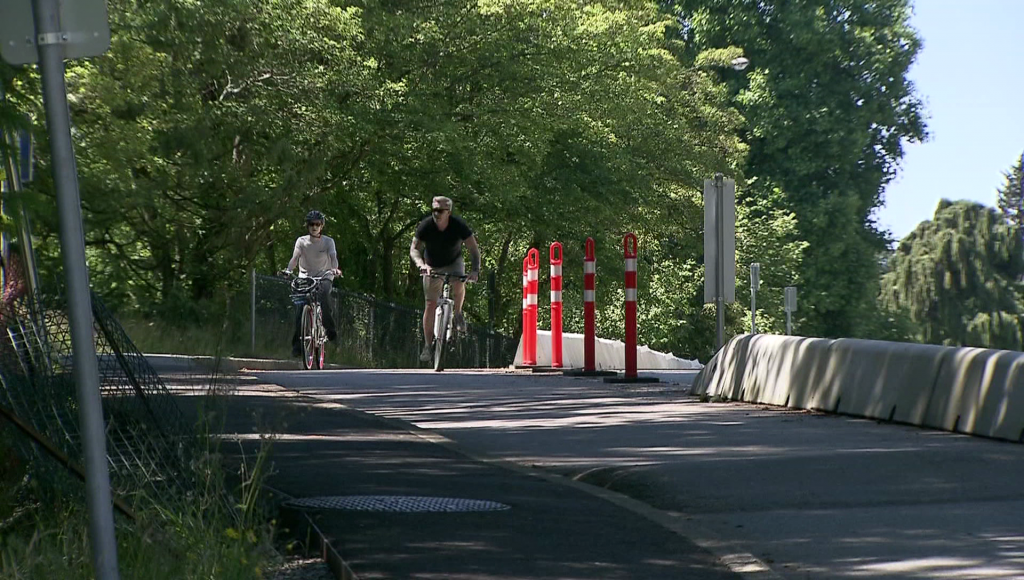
{"x":315,"y":216}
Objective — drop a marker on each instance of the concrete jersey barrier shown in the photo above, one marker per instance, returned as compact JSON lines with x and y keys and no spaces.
{"x":608,"y":354}
{"x":968,"y":390}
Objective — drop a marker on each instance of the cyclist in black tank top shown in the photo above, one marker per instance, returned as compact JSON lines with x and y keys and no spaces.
{"x":437,"y":246}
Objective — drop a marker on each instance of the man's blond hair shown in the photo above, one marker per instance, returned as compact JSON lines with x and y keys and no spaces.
{"x":442,"y":202}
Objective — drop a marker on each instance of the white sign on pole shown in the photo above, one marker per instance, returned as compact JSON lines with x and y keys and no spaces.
{"x":84,"y":30}
{"x":712,"y":259}
{"x":790,"y":299}
{"x":755,"y":276}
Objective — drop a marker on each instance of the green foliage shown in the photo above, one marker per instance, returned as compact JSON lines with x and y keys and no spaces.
{"x":209,"y":129}
{"x":828,"y":106}
{"x":171,"y":537}
{"x":957,"y":278}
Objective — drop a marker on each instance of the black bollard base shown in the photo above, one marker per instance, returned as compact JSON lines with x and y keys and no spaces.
{"x":586,"y":373}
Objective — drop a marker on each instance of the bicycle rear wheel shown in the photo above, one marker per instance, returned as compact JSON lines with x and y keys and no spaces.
{"x":308,"y":337}
{"x":441,"y":337}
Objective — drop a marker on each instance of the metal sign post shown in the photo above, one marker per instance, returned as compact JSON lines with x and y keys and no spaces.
{"x":252,"y":312}
{"x":47,"y":32}
{"x":719,"y":248}
{"x":790,"y":308}
{"x":755,"y":285}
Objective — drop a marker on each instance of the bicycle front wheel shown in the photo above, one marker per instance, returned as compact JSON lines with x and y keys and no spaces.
{"x":441,"y":337}
{"x":308,"y":337}
{"x":321,"y":339}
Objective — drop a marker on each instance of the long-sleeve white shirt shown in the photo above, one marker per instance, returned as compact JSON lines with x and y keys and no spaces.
{"x":314,"y":256}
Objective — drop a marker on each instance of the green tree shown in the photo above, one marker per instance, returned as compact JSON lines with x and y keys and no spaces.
{"x":828,"y":107}
{"x":208,"y":130}
{"x":957,"y":278}
{"x":1011,"y":194}
{"x":199,"y":130}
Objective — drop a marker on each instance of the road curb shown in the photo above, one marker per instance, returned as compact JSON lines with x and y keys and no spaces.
{"x":302,"y":524}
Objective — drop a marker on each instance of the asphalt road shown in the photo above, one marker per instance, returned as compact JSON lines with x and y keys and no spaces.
{"x":814,"y":496}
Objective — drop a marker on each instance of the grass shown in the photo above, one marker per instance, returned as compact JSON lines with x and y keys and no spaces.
{"x":171,"y":538}
{"x":214,"y":340}
{"x":205,"y":339}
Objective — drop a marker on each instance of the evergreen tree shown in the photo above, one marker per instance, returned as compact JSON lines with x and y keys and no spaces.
{"x":956,"y":277}
{"x":1011,"y":194}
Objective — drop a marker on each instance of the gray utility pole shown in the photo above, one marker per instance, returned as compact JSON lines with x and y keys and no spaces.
{"x":790,"y":306}
{"x":719,"y":248}
{"x":47,"y":32}
{"x":755,"y":285}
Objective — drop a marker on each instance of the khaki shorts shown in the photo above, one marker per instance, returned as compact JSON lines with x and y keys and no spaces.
{"x":432,"y":286}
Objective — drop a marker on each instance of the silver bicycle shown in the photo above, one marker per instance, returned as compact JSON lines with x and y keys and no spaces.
{"x":312,"y":333}
{"x":443,"y":317}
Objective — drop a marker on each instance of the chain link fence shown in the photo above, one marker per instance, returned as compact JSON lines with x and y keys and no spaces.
{"x":372,"y":333}
{"x":151,"y":446}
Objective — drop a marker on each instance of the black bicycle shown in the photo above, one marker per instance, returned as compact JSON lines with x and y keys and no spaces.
{"x":312,"y":333}
{"x":443,"y":317}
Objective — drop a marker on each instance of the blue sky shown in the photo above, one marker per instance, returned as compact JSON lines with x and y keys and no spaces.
{"x":970,"y":74}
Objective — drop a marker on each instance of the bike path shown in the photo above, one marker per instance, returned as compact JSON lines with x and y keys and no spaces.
{"x":552,"y":527}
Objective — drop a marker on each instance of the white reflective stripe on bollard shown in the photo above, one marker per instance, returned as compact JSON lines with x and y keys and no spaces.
{"x":631,"y":264}
{"x":556,"y":295}
{"x":533,"y":275}
{"x":531,"y":300}
{"x":589,"y":267}
{"x":556,"y":270}
{"x":588,"y":295}
{"x":630,"y":294}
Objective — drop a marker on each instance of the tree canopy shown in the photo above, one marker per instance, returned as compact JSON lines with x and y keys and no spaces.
{"x":957,"y":278}
{"x":209,"y":129}
{"x":828,"y":106}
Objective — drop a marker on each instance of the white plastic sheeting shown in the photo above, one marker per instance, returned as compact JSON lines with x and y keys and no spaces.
{"x":608,"y":354}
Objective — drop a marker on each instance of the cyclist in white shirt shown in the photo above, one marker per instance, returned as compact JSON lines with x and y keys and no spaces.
{"x":316,"y":255}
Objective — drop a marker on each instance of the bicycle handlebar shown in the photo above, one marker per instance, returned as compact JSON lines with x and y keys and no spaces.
{"x":446,"y":276}
{"x":291,"y":276}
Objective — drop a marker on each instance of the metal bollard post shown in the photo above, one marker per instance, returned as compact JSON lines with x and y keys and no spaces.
{"x":556,"y":304}
{"x":629,"y":253}
{"x":589,"y":330}
{"x":526,"y":312}
{"x":533,"y":283}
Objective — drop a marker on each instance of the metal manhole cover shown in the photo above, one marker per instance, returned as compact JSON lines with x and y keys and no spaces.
{"x":395,"y":503}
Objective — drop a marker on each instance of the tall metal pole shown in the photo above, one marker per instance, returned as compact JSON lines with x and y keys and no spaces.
{"x":753,"y":299}
{"x":86,"y":373}
{"x":720,"y":267}
{"x":252,"y":313}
